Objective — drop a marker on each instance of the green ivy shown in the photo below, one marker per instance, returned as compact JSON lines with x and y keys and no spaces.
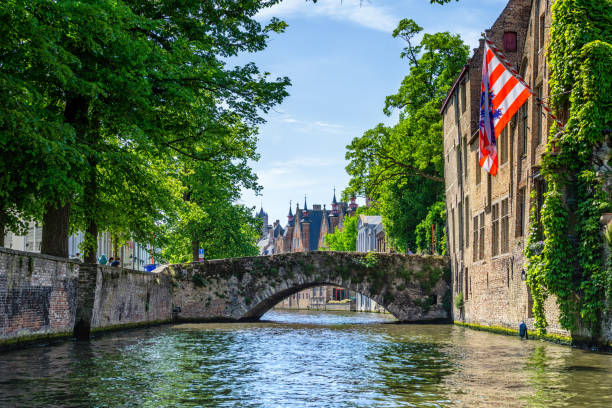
{"x":459,"y":301}
{"x":436,"y":218}
{"x":569,"y":264}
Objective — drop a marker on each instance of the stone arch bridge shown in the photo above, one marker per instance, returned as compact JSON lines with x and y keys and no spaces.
{"x":412,"y":288}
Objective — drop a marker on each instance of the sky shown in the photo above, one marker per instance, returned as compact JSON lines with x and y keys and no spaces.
{"x":342,"y":61}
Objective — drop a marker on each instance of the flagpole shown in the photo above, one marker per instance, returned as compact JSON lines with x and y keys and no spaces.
{"x":518,"y":76}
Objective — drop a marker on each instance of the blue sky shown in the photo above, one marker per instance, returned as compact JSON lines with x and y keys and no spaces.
{"x":342,"y":61}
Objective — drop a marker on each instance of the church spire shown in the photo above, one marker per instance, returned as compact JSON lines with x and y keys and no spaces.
{"x":290,"y":216}
{"x":334,"y":204}
{"x":305,"y":211}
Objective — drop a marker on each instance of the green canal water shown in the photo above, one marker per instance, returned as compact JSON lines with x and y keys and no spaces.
{"x":305,"y":359}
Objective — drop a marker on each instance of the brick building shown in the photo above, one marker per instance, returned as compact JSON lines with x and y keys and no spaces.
{"x":488,"y":217}
{"x":305,"y":231}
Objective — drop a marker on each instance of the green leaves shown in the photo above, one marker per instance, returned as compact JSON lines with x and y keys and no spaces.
{"x":345,"y":240}
{"x":402,"y":166}
{"x":127,"y":110}
{"x":571,"y":266}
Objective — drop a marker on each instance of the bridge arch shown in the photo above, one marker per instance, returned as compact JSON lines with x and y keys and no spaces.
{"x":411,"y":287}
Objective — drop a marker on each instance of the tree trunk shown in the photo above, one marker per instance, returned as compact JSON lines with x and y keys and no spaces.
{"x":2,"y":232}
{"x":195,"y":247}
{"x":90,"y":253}
{"x":91,"y":194}
{"x":56,"y":222}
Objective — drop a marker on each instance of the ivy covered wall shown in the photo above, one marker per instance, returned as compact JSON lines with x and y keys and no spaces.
{"x":565,"y":252}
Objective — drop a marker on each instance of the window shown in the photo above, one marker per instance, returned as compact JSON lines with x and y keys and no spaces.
{"x":495,"y":230}
{"x":523,"y":115}
{"x":520,"y":219}
{"x":462,"y":97}
{"x":466,"y":284}
{"x":489,"y":188}
{"x":529,"y":303}
{"x":540,"y":186}
{"x":477,"y":170}
{"x":465,"y":158}
{"x":505,"y":226}
{"x":482,"y":236}
{"x":538,"y":118}
{"x":503,"y":146}
{"x":475,"y":249}
{"x":542,"y":28}
{"x":467,"y":222}
{"x":460,"y":223}
{"x":452,"y":230}
{"x":510,"y":41}
{"x":523,"y":129}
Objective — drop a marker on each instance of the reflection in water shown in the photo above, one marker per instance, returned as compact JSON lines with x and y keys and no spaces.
{"x":305,"y":359}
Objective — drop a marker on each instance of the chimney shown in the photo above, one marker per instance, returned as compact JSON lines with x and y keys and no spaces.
{"x":306,"y":236}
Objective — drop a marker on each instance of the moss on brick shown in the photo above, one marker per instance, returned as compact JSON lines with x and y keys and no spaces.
{"x":125,"y":326}
{"x":28,"y":339}
{"x":555,"y":338}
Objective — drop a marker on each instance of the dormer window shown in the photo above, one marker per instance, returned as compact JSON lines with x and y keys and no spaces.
{"x":510,"y":41}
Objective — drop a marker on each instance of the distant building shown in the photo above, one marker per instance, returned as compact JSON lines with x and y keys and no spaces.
{"x":305,"y":231}
{"x":370,"y":238}
{"x":320,"y":298}
{"x":133,"y":255}
{"x":366,"y":232}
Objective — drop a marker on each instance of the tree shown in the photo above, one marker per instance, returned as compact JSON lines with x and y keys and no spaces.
{"x":345,"y":239}
{"x":139,"y":87}
{"x":402,"y":166}
{"x":38,"y":161}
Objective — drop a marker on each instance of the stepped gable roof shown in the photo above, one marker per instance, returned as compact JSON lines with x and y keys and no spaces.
{"x":316,"y":220}
{"x":278,"y":231}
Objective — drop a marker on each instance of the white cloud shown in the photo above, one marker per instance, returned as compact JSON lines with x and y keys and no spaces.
{"x":317,"y":126}
{"x":364,"y":13}
{"x":296,"y":173}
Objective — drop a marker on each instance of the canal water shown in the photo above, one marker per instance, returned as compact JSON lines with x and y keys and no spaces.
{"x":305,"y":359}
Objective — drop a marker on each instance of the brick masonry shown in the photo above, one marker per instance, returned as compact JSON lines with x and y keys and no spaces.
{"x":37,"y":295}
{"x":43,"y":296}
{"x":125,"y":296}
{"x":494,"y":286}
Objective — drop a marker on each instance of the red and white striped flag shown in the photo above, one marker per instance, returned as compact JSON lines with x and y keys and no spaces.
{"x":502,"y":94}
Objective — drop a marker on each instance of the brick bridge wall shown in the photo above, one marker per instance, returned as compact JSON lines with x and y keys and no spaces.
{"x":44,"y":297}
{"x":37,"y":295}
{"x":412,"y":288}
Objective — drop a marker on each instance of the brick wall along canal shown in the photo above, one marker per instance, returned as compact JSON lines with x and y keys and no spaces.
{"x":305,"y":359}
